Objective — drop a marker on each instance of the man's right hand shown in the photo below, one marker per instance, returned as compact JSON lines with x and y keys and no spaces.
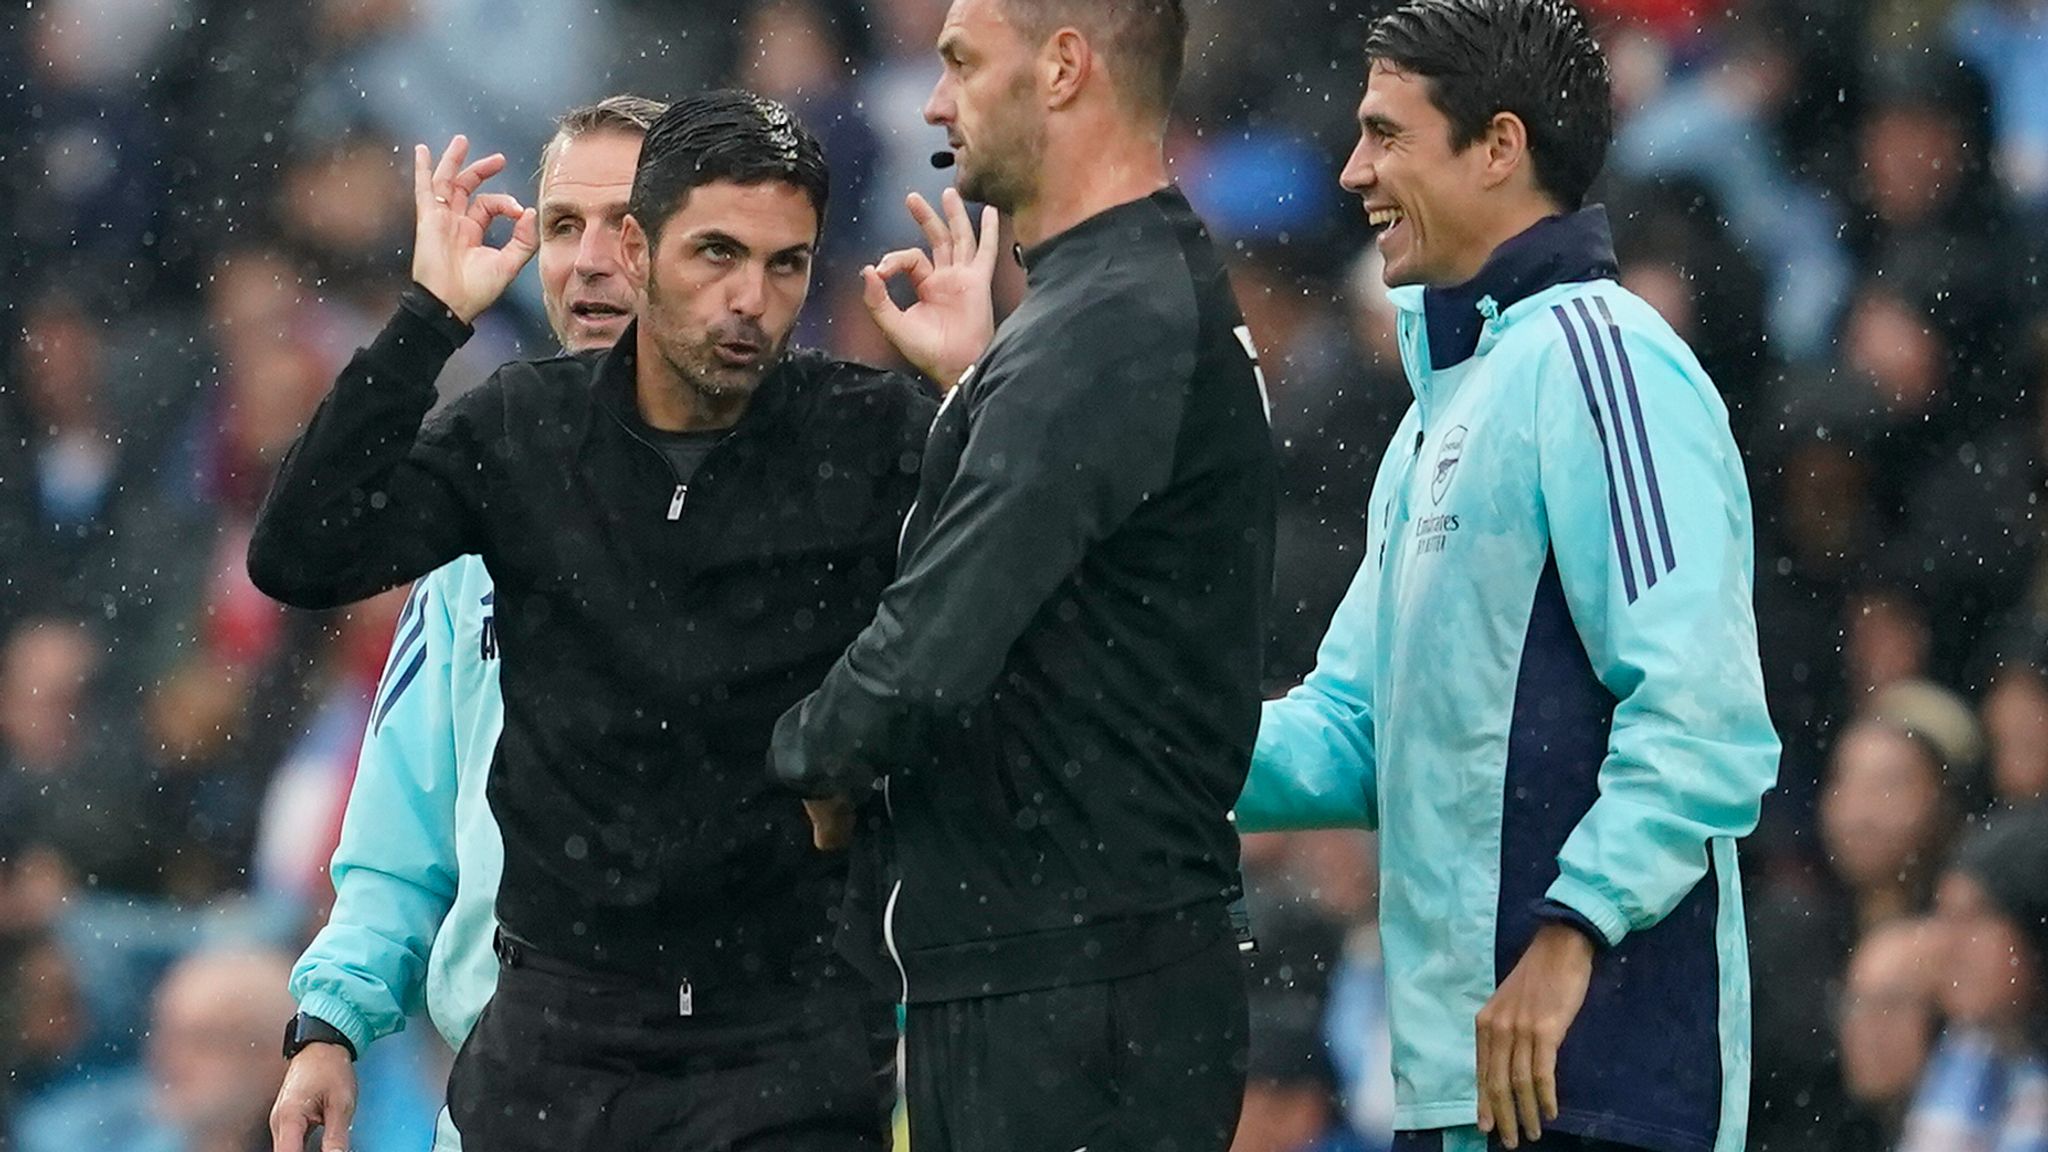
{"x":319,"y":1090}
{"x":449,"y":256}
{"x":954,"y":319}
{"x":831,"y":822}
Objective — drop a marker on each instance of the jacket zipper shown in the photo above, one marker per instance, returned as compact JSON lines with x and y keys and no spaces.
{"x":682,"y":492}
{"x":1415,"y":356}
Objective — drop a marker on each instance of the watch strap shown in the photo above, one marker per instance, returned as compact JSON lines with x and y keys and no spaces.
{"x":303,"y":1029}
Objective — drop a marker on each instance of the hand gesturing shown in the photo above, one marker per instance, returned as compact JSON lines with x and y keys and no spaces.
{"x":449,"y":256}
{"x":954,"y":318}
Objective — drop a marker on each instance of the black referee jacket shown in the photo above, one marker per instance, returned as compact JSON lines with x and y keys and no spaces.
{"x":1060,"y":692}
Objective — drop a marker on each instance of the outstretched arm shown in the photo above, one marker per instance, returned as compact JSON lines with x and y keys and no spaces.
{"x":372,"y":494}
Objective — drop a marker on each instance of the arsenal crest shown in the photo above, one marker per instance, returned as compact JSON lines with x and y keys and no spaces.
{"x":1452,"y":448}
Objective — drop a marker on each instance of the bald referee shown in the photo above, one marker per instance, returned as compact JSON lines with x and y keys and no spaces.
{"x":1059,"y":693}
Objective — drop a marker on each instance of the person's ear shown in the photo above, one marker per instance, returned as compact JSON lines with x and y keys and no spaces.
{"x":1506,"y":144}
{"x":634,"y":252}
{"x":1066,"y":64}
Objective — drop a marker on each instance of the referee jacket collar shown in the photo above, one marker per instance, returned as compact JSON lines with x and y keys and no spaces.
{"x":1042,"y":260}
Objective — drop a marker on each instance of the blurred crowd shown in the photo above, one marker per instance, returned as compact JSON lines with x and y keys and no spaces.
{"x":1842,"y":204}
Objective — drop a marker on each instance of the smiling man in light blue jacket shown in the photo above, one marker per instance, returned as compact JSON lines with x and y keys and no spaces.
{"x":416,"y":873}
{"x":1543,"y":686}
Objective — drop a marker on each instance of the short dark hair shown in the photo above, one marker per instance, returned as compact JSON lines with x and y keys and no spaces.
{"x":1147,"y":38}
{"x":723,"y":135}
{"x":1534,"y":58}
{"x":624,"y":112}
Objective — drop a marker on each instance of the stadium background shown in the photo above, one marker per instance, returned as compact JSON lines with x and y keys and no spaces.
{"x":1840,"y":203}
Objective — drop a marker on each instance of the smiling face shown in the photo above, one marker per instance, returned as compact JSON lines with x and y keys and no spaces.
{"x":985,"y":102}
{"x":724,"y":282}
{"x":583,"y":194}
{"x":1426,"y":199}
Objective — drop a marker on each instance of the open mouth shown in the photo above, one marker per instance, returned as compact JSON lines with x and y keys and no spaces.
{"x":597,"y":311}
{"x":738,"y":353}
{"x":1385,"y":217}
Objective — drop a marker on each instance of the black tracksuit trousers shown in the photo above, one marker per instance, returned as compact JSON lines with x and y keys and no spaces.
{"x":1153,"y":1062}
{"x":565,"y":1059}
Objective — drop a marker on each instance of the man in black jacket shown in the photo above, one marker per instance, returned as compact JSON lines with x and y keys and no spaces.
{"x":683,"y":533}
{"x":1061,"y":689}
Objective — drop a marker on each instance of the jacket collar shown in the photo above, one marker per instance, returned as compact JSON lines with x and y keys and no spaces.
{"x":1555,"y":250}
{"x":1042,"y":261}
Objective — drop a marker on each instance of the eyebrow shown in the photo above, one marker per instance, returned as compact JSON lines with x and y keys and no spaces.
{"x":715,"y":236}
{"x":549,"y":209}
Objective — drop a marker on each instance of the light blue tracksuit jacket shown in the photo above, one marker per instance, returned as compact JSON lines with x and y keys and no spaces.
{"x":416,"y":872}
{"x":1543,"y":690}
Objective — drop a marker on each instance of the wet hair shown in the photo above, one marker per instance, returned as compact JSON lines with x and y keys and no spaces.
{"x":1147,"y":38}
{"x":624,"y":112}
{"x":726,"y":135}
{"x":1534,"y":58}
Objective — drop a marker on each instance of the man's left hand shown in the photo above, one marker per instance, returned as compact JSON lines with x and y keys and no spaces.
{"x":1521,"y":1028}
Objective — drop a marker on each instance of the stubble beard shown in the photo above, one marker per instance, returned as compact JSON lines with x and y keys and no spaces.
{"x":1005,"y":172}
{"x":695,"y":363}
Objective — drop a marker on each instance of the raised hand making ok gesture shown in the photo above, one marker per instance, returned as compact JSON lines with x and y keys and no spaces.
{"x":449,"y":256}
{"x":954,"y":318}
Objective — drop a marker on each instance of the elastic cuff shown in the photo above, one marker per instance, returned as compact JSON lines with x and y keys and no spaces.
{"x":1596,"y":909}
{"x":416,"y":343}
{"x":1552,"y":912}
{"x":791,"y":764}
{"x":340,"y":1013}
{"x":427,"y":306}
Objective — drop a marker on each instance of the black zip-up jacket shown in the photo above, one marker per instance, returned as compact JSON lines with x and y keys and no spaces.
{"x":1062,"y":686}
{"x":649,"y":634}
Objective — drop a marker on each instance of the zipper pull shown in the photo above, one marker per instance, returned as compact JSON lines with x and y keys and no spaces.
{"x":675,"y":505}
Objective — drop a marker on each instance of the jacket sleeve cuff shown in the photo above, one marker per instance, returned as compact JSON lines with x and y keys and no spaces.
{"x":792,"y":764}
{"x":1552,"y":912}
{"x":1581,"y":903}
{"x":340,"y":1013}
{"x":787,"y":764}
{"x":419,"y":338}
{"x":419,"y":302}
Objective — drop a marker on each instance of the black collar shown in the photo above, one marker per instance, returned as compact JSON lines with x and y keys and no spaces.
{"x":1041,"y":259}
{"x":1555,"y":250}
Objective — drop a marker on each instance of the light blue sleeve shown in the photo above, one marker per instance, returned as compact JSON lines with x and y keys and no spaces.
{"x":1650,"y":523}
{"x":394,"y":871}
{"x":1314,"y":766}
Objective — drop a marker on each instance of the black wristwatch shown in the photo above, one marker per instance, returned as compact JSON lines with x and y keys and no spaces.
{"x":302,"y":1030}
